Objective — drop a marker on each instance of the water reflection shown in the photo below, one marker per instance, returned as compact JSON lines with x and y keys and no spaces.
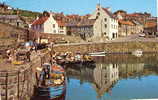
{"x":105,"y":76}
{"x":116,"y":77}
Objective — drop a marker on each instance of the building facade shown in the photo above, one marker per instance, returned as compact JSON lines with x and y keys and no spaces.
{"x":14,"y":20}
{"x":83,"y":28}
{"x":127,"y":27}
{"x":106,"y":25}
{"x":48,"y":24}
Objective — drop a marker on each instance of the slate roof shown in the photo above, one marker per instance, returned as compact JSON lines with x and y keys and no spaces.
{"x":86,"y":22}
{"x":108,"y":12}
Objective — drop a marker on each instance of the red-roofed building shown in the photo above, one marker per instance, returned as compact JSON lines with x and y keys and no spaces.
{"x":150,"y":27}
{"x":49,"y":24}
{"x":84,"y":28}
{"x":127,"y":27}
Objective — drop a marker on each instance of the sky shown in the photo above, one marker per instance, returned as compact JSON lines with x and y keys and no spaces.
{"x":83,"y":7}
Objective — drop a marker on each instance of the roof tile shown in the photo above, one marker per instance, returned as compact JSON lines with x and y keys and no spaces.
{"x":40,"y":21}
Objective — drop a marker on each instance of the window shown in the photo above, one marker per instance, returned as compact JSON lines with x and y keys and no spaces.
{"x":61,"y":27}
{"x":98,"y":13}
{"x":113,"y":65}
{"x":40,"y":26}
{"x":105,"y":19}
{"x":61,"y":31}
{"x":53,"y":25}
{"x":54,"y":31}
{"x":17,"y":24}
{"x":96,"y":17}
{"x":105,"y":25}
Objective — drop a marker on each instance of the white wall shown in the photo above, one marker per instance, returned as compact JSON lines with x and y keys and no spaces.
{"x":113,"y":27}
{"x":48,"y":26}
{"x":99,"y":26}
{"x":61,"y":30}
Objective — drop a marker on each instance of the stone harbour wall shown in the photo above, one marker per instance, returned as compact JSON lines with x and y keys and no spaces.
{"x":16,"y":84}
{"x":113,"y":47}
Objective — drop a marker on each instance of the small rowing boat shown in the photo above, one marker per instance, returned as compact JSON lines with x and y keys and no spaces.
{"x":97,"y":53}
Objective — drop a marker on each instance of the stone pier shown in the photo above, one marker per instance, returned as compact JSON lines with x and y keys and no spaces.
{"x":17,"y":82}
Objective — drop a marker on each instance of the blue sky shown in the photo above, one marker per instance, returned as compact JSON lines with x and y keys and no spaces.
{"x":84,"y":6}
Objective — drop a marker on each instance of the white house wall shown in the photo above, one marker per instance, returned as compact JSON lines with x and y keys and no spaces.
{"x":99,"y":26}
{"x":113,"y":27}
{"x":63,"y":30}
{"x":48,"y":26}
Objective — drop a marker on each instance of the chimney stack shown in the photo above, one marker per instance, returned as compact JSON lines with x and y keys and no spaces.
{"x":37,"y":18}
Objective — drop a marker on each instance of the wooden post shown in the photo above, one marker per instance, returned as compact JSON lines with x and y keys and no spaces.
{"x":0,"y":93}
{"x":6,"y":82}
{"x":18,"y":85}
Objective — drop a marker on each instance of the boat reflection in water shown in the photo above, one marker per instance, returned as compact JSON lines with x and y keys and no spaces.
{"x":116,"y":77}
{"x":51,"y":83}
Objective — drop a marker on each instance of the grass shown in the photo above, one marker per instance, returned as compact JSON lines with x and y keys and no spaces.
{"x":26,"y":13}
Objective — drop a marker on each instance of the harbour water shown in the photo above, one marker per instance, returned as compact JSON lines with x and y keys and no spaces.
{"x":114,"y":77}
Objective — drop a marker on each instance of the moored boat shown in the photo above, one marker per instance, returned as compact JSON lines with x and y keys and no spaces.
{"x":52,"y":83}
{"x":97,"y":53}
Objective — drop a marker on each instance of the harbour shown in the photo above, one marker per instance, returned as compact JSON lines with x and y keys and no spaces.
{"x":61,"y":50}
{"x":122,"y":79}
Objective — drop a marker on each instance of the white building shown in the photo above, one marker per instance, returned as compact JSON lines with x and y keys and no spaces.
{"x":47,"y":24}
{"x":106,"y":25}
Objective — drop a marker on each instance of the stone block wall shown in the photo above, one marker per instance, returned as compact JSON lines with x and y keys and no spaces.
{"x":111,"y":47}
{"x":17,"y":84}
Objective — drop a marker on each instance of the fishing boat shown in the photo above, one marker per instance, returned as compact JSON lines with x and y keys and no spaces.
{"x":97,"y":53}
{"x":51,"y":83}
